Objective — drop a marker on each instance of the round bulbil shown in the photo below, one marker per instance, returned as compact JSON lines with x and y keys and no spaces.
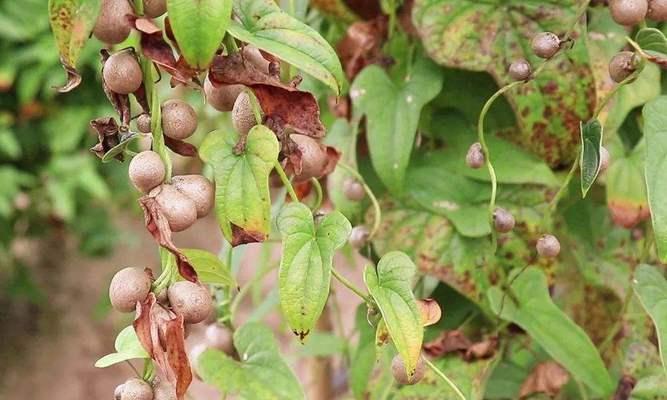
{"x":155,"y":8}
{"x":199,"y":189}
{"x":503,"y":220}
{"x":353,"y":189}
{"x":222,"y":98}
{"x":146,"y":171}
{"x":129,"y":286}
{"x":136,"y":389}
{"x":243,"y":117}
{"x":657,"y":10}
{"x":122,"y":73}
{"x":475,"y":156}
{"x":314,"y":158}
{"x":163,"y":390}
{"x":520,"y":70}
{"x":191,"y":300}
{"x":545,"y":44}
{"x":179,"y":119}
{"x":548,"y":246}
{"x":253,"y":55}
{"x":220,"y":338}
{"x":359,"y":237}
{"x":628,"y":12}
{"x":400,"y":374}
{"x":112,"y":25}
{"x":622,"y":65}
{"x":179,"y":210}
{"x":144,"y":123}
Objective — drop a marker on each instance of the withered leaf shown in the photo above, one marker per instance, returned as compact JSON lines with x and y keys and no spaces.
{"x":176,"y":355}
{"x":73,"y":78}
{"x":108,"y":136}
{"x":430,"y":311}
{"x":284,"y":105}
{"x":362,"y":45}
{"x":293,"y":162}
{"x":180,"y":147}
{"x":447,"y":342}
{"x":547,"y":377}
{"x":158,"y":226}
{"x":481,"y":350}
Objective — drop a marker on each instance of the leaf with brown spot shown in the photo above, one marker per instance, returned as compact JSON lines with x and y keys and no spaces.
{"x":108,"y":136}
{"x":180,"y":147}
{"x":430,"y":311}
{"x":547,"y":377}
{"x":285,"y":105}
{"x":158,"y":226}
{"x":447,"y":342}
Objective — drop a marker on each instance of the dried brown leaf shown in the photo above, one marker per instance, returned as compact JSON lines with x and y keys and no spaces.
{"x":362,"y":45}
{"x":73,"y":78}
{"x":180,"y":147}
{"x":482,"y":350}
{"x":108,"y":136}
{"x":447,"y":342}
{"x":547,"y":377}
{"x":430,"y":311}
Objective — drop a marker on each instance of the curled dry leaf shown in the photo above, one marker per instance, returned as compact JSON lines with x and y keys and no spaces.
{"x":430,"y":311}
{"x":447,"y":342}
{"x":547,"y":377}
{"x":108,"y":136}
{"x":180,"y":147}
{"x":362,"y":45}
{"x":158,"y":226}
{"x":73,"y":78}
{"x":482,"y":350}
{"x":294,"y":163}
{"x":162,"y":334}
{"x":284,"y":106}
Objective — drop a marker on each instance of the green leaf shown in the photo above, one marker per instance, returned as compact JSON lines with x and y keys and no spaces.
{"x":589,"y":162}
{"x":305,"y":266}
{"x":120,"y":147}
{"x":489,"y":35}
{"x":364,"y":357}
{"x":210,"y":268}
{"x":651,"y":288}
{"x":72,"y":21}
{"x":242,"y":200}
{"x":343,"y":137}
{"x":199,"y":27}
{"x":561,"y":338}
{"x":127,"y":347}
{"x":652,"y":40}
{"x":651,"y":387}
{"x":261,"y":372}
{"x":655,"y":132}
{"x":263,"y":24}
{"x":323,"y":344}
{"x":392,"y":110}
{"x":390,"y":286}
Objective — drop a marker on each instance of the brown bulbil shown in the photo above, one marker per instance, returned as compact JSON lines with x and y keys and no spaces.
{"x":548,"y":246}
{"x":622,"y":65}
{"x":314,"y":158}
{"x":243,"y":118}
{"x":657,"y":10}
{"x":129,"y":286}
{"x":155,"y":8}
{"x":220,"y":338}
{"x":146,"y":171}
{"x":628,"y":12}
{"x":253,"y":55}
{"x":475,"y":156}
{"x":144,"y":123}
{"x":112,"y":25}
{"x":136,"y":389}
{"x":222,"y":98}
{"x":199,"y":189}
{"x":179,"y":119}
{"x":520,"y":70}
{"x":179,"y":210}
{"x":359,"y":237}
{"x":545,"y":44}
{"x":503,"y":220}
{"x":353,"y":189}
{"x":191,"y":300}
{"x":401,"y":375}
{"x":122,"y":73}
{"x":163,"y":390}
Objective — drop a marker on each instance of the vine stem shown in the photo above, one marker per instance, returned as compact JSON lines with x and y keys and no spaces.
{"x":283,"y":177}
{"x":343,"y":280}
{"x":377,"y":217}
{"x":445,"y":378}
{"x":318,"y":193}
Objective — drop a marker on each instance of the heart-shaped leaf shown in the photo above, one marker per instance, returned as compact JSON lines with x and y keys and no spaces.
{"x":392,"y":110}
{"x":264,"y":25}
{"x":210,"y":269}
{"x":72,"y":21}
{"x":261,"y":372}
{"x":589,"y":163}
{"x":651,"y":289}
{"x":242,"y":200}
{"x":199,"y":27}
{"x":655,"y":131}
{"x":390,"y":286}
{"x":305,"y":267}
{"x":652,"y":40}
{"x":564,"y":340}
{"x":127,"y":347}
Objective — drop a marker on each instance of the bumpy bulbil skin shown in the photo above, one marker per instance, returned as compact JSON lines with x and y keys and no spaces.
{"x":222,"y":98}
{"x":146,"y":171}
{"x":628,"y":12}
{"x":136,"y":389}
{"x":657,"y":10}
{"x":545,"y":44}
{"x":191,"y":300}
{"x":621,"y":66}
{"x":475,"y":156}
{"x":314,"y":157}
{"x":122,"y":73}
{"x":144,"y":123}
{"x":243,"y":117}
{"x":163,"y":390}
{"x":199,"y":189}
{"x":112,"y":25}
{"x":503,"y":220}
{"x":129,"y":286}
{"x":179,"y":210}
{"x":520,"y":70}
{"x":220,"y":338}
{"x":548,"y":246}
{"x":155,"y":8}
{"x":253,"y":55}
{"x":401,"y":376}
{"x":179,"y":119}
{"x":353,"y":189}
